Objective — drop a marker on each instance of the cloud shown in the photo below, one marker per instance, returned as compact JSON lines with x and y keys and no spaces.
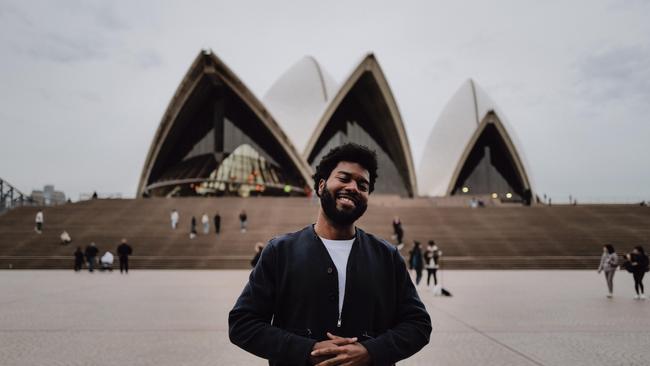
{"x":88,"y":96}
{"x":148,"y":58}
{"x":65,"y":48}
{"x":63,"y":32}
{"x":615,"y":74}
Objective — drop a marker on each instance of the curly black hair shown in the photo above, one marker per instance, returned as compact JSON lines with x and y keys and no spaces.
{"x":350,"y":152}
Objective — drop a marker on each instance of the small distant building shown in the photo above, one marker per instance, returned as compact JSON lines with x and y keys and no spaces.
{"x":48,"y":196}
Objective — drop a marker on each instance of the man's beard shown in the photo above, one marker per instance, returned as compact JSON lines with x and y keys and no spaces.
{"x":342,"y":217}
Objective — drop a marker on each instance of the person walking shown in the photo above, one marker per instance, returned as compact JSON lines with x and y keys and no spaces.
{"x":205,"y":220}
{"x":243,"y":221}
{"x":608,"y":264}
{"x":78,"y":259}
{"x":330,"y":292}
{"x":174,"y":216}
{"x":91,"y":254}
{"x":217,"y":223}
{"x":415,"y":261}
{"x":193,"y":228}
{"x":638,"y":265}
{"x":398,"y":231}
{"x":432,"y":262}
{"x":39,"y":220}
{"x":124,"y":250}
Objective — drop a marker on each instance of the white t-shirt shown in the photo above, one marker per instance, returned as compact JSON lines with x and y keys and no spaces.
{"x":339,"y":251}
{"x":107,"y":258}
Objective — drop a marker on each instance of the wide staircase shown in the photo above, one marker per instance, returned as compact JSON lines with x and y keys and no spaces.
{"x":494,"y":237}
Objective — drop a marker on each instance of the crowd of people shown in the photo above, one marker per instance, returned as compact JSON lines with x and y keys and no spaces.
{"x":205,"y":223}
{"x":419,"y":259}
{"x":635,"y":262}
{"x":90,"y":257}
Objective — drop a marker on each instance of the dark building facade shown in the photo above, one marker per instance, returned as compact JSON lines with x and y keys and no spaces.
{"x":217,"y":139}
{"x":365,"y":112}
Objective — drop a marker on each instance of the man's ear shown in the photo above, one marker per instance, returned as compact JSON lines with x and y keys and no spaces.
{"x":321,"y":185}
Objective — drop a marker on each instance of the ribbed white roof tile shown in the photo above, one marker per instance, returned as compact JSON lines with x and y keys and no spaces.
{"x":452,"y":133}
{"x":298,"y":98}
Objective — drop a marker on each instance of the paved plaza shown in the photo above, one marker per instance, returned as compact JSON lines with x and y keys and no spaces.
{"x":180,"y":318}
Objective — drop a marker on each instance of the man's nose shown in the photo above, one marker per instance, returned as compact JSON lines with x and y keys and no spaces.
{"x":352,"y":186}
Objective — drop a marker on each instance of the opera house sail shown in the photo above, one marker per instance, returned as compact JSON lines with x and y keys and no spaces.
{"x":216,"y":138}
{"x":364,"y":111}
{"x":473,"y":151}
{"x":298,"y":99}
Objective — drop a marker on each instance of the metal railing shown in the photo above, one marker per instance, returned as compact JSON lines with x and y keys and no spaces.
{"x":10,"y":197}
{"x":100,"y":195}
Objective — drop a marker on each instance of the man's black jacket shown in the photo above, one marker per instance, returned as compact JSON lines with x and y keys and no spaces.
{"x":291,"y":301}
{"x":124,"y":250}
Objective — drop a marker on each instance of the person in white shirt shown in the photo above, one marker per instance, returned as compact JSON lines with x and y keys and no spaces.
{"x":205,"y":220}
{"x":65,"y":238}
{"x":174,"y":218}
{"x":107,"y":261}
{"x":39,"y":221}
{"x":330,"y":294}
{"x":432,"y":262}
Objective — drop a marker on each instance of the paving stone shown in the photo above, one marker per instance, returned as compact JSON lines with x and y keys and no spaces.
{"x":180,"y":318}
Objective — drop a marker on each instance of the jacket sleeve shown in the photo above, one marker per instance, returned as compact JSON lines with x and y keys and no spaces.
{"x":602,"y":262}
{"x":250,"y":319}
{"x":412,"y":328}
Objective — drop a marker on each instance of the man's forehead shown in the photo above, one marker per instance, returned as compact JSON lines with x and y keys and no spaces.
{"x":351,"y":168}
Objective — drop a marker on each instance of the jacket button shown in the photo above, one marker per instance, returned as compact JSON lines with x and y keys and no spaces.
{"x":333,"y":297}
{"x":330,"y":270}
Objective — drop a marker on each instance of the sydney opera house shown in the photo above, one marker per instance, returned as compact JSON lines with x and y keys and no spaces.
{"x":216,"y":138}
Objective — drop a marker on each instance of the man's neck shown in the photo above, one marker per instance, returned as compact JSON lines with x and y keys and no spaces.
{"x":325,"y":228}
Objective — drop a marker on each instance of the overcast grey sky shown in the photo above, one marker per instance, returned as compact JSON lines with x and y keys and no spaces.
{"x":83,"y":84}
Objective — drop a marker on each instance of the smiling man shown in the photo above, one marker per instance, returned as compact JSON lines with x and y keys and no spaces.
{"x":331,"y":294}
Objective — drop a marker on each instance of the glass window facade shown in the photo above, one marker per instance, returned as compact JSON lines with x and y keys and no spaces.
{"x":243,"y":172}
{"x":363,"y":117}
{"x":490,"y":169}
{"x":218,"y":145}
{"x":389,"y":180}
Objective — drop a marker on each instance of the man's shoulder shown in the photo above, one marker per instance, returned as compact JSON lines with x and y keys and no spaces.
{"x":377,"y":242}
{"x":290,"y":238}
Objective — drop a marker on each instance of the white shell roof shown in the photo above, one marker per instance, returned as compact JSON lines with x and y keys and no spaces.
{"x":451,"y":134}
{"x":298,"y":98}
